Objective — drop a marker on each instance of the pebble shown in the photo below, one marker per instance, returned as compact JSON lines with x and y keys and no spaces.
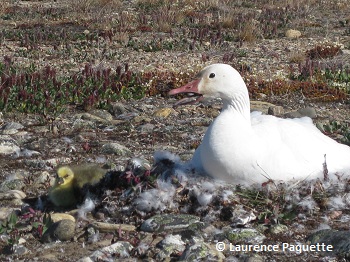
{"x":108,"y":227}
{"x":43,"y":178}
{"x":5,"y":212}
{"x":93,"y":118}
{"x":12,"y":194}
{"x":62,"y":230}
{"x":293,"y":34}
{"x":140,"y":119}
{"x":278,"y":228}
{"x":245,"y":235}
{"x":19,"y":250}
{"x":8,"y":145}
{"x":85,"y":259}
{"x":308,"y":111}
{"x":164,"y":112}
{"x":340,"y":240}
{"x":117,"y":108}
{"x":241,"y":217}
{"x":83,"y":123}
{"x":146,"y":128}
{"x":13,"y":184}
{"x":11,"y":128}
{"x":116,"y":149}
{"x":260,"y":106}
{"x":201,"y":252}
{"x":275,"y":110}
{"x":119,"y":249}
{"x":55,"y":217}
{"x":171,"y":244}
{"x":165,"y":222}
{"x":104,"y":114}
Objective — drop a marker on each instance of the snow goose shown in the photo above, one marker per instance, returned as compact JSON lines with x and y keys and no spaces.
{"x":243,"y":148}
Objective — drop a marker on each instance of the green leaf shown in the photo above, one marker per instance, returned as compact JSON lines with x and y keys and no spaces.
{"x":12,"y":220}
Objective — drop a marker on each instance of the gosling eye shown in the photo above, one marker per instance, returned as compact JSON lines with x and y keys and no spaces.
{"x":212,"y":75}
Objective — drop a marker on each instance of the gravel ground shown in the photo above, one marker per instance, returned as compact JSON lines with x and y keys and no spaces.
{"x":151,"y":124}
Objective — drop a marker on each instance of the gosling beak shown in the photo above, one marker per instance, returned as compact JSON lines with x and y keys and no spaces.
{"x":59,"y":180}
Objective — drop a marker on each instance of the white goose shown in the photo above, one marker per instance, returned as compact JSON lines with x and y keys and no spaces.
{"x":243,"y":147}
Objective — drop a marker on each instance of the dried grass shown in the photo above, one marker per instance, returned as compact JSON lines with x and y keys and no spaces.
{"x":3,"y":7}
{"x":98,"y":11}
{"x":297,"y":57}
{"x":249,"y":31}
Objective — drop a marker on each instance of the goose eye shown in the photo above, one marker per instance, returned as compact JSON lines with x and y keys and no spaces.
{"x":212,"y":75}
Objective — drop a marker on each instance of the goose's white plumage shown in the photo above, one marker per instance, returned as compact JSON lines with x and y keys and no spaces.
{"x":243,"y":147}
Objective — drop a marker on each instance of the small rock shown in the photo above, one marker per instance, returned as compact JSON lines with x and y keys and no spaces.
{"x":93,"y":235}
{"x":8,"y":145}
{"x":278,"y":228}
{"x":85,"y":259}
{"x":166,"y":222}
{"x":23,"y":137}
{"x":339,"y":240}
{"x":12,"y":194}
{"x":55,"y":217}
{"x":139,"y":119}
{"x":118,"y":108}
{"x":260,"y":106}
{"x":242,"y":217}
{"x":81,"y":123}
{"x":201,"y":252}
{"x":25,"y":153}
{"x":146,"y":128}
{"x":108,"y":227}
{"x":19,"y":250}
{"x":254,"y":258}
{"x":35,"y":163}
{"x":5,"y":212}
{"x":104,"y":114}
{"x":308,"y":111}
{"x":119,"y":249}
{"x":138,"y":165}
{"x":275,"y":110}
{"x":115,"y":148}
{"x":245,"y":235}
{"x":11,"y":128}
{"x":93,"y":118}
{"x":21,"y":241}
{"x":13,"y":184}
{"x":127,"y":116}
{"x":291,"y":33}
{"x":293,"y":114}
{"x":62,"y":230}
{"x":43,"y":177}
{"x":163,"y":112}
{"x":334,"y":214}
{"x":171,"y":244}
{"x":40,"y":129}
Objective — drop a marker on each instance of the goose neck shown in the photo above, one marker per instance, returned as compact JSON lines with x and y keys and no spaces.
{"x":239,"y":105}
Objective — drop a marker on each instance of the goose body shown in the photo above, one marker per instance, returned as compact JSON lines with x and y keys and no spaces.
{"x":243,"y":147}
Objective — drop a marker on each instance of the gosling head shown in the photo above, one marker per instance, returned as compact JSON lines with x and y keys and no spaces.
{"x":65,"y":175}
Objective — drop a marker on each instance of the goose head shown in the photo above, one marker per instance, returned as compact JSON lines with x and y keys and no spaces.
{"x":215,"y":81}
